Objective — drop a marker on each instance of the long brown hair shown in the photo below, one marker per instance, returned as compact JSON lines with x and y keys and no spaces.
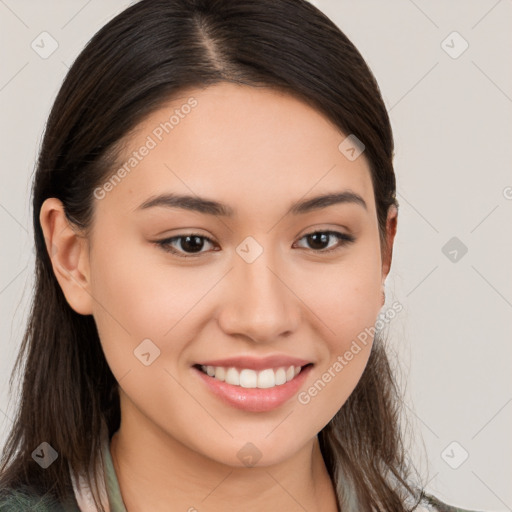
{"x":138,"y":61}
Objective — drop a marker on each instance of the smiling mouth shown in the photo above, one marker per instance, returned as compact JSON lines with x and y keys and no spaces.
{"x":248,"y":378}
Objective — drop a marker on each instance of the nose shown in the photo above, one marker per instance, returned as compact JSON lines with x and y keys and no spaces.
{"x":258,"y":302}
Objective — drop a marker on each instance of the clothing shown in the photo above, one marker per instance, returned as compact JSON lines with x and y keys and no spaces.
{"x":110,"y":491}
{"x":81,"y":501}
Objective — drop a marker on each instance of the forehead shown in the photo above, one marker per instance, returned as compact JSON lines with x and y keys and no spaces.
{"x":249,"y":147}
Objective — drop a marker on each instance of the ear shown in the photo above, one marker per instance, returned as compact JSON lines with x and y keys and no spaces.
{"x":69,"y":254}
{"x":391,"y":225}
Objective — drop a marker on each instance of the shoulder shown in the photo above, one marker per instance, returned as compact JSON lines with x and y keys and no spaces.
{"x":432,"y":504}
{"x":28,"y":499}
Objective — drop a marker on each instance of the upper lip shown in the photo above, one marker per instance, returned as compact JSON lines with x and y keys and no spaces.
{"x":256,"y":363}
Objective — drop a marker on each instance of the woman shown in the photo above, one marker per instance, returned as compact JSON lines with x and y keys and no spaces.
{"x":214,"y":213}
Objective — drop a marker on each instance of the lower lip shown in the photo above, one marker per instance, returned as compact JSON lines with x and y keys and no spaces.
{"x":254,"y":399}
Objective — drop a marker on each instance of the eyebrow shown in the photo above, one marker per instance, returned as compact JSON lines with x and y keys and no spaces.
{"x":211,"y":207}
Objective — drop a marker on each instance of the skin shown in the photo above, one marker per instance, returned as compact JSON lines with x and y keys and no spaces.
{"x":257,"y":150}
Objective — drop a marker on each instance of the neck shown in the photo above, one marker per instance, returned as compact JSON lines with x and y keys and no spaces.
{"x":155,"y":471}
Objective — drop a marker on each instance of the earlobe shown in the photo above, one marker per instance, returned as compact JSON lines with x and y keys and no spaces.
{"x":68,"y":252}
{"x":391,"y":226}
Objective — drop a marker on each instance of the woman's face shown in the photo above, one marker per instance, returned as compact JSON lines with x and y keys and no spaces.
{"x":250,"y":294}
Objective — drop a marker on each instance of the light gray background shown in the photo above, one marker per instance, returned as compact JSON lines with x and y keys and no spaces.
{"x":453,"y":131}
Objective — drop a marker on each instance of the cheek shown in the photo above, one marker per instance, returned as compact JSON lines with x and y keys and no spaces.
{"x":138,"y":297}
{"x":130,"y":304}
{"x":137,"y":292}
{"x":346,"y":298}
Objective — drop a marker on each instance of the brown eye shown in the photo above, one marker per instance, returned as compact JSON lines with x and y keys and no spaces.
{"x":189,"y":245}
{"x":192,"y":244}
{"x":318,"y":239}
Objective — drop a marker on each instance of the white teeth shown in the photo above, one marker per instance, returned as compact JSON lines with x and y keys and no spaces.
{"x":266,"y":379}
{"x":232,"y":377}
{"x":247,"y":378}
{"x":280,"y":376}
{"x":220,"y":373}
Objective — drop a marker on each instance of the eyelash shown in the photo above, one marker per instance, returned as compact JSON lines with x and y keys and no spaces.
{"x":343,"y":238}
